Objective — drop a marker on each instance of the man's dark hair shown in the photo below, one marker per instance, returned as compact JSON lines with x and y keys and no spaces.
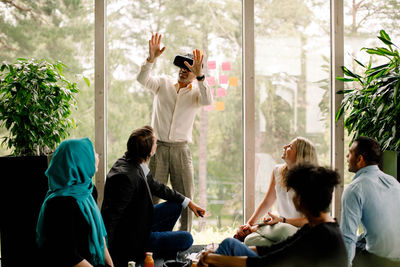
{"x":314,"y":185}
{"x":139,"y":144}
{"x":369,"y":148}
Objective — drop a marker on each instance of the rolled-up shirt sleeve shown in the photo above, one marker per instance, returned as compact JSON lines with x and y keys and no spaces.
{"x":205,"y":97}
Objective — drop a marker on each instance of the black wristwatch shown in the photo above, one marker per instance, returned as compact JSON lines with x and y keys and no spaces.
{"x":200,"y":78}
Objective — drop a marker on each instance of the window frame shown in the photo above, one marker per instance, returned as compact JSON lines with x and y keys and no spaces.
{"x":337,"y":128}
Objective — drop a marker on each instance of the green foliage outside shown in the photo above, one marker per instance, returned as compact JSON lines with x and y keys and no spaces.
{"x":215,"y":28}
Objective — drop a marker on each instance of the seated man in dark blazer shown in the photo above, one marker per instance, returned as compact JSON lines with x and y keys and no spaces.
{"x":133,"y":224}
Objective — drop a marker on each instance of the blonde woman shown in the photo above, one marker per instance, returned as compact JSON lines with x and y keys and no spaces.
{"x":299,"y":150}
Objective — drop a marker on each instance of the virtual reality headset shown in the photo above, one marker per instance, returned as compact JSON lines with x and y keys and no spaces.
{"x":180,"y":59}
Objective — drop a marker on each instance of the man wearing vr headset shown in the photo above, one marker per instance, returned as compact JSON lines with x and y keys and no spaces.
{"x":175,"y":105}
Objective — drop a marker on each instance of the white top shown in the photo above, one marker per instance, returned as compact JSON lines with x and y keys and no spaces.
{"x":284,"y":198}
{"x":173,"y":112}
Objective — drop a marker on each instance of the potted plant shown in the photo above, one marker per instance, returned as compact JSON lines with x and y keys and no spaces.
{"x":372,"y":103}
{"x":35,"y":104}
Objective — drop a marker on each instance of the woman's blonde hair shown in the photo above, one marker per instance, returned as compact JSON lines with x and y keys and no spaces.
{"x":305,"y":153}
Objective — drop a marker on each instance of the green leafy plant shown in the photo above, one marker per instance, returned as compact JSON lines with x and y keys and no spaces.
{"x":373,"y":101}
{"x":35,"y":104}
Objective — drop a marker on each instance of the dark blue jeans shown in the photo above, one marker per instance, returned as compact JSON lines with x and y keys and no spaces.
{"x":233,"y":247}
{"x":164,"y":242}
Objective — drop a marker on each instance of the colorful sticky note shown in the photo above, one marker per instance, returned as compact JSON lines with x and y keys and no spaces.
{"x":221,"y":92}
{"x":208,"y":108}
{"x":211,"y":64}
{"x":233,"y":81}
{"x":223,"y":79}
{"x":219,"y":105}
{"x":226,"y":66}
{"x":211,"y":81}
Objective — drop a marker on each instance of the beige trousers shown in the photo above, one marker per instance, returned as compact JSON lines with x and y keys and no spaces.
{"x":174,"y":160}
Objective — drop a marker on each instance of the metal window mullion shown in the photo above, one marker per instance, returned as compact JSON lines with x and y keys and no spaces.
{"x":337,"y":129}
{"x":249,"y":108}
{"x":100,"y":94}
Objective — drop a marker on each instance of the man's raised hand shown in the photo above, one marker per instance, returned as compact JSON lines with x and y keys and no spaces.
{"x":196,"y":68}
{"x":154,"y":47}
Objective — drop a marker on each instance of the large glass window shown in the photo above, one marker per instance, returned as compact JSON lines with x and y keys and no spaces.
{"x":292,"y":58}
{"x":215,"y":27}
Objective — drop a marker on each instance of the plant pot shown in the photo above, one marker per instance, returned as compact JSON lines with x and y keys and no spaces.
{"x":23,"y":187}
{"x":391,"y":163}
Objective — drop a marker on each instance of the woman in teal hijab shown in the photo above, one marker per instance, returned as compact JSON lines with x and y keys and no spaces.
{"x":70,"y":230}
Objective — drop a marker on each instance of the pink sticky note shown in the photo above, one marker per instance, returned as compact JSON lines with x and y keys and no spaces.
{"x":226,"y":66}
{"x":223,"y":79}
{"x":208,"y":108}
{"x":211,"y":81}
{"x":221,"y":92}
{"x":211,"y":64}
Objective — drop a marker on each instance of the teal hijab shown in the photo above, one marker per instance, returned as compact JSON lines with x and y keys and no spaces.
{"x":70,"y":174}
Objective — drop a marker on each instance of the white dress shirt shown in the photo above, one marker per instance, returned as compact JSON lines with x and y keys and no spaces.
{"x":174,"y":112}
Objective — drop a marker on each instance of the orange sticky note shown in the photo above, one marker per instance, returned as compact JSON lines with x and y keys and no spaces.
{"x":226,"y":66}
{"x":223,"y":79}
{"x":221,"y":92}
{"x":208,"y":108}
{"x":211,"y":81}
{"x":211,"y":64}
{"x":233,"y":81}
{"x":219,"y":105}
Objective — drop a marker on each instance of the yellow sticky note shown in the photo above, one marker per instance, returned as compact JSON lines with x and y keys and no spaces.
{"x":233,"y":81}
{"x":219,"y":105}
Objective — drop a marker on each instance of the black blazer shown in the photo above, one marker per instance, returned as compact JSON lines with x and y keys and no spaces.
{"x":127,"y":209}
